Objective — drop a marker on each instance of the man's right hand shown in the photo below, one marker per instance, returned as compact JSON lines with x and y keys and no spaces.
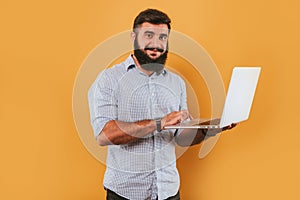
{"x":174,"y":117}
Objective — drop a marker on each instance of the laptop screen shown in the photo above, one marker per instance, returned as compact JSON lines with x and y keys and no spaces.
{"x":240,"y":95}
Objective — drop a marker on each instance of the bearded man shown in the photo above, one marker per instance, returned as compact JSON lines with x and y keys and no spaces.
{"x":130,"y":104}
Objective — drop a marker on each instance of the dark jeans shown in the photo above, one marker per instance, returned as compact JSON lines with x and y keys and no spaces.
{"x":110,"y":195}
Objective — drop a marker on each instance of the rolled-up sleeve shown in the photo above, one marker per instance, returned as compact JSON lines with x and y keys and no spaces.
{"x":102,"y":102}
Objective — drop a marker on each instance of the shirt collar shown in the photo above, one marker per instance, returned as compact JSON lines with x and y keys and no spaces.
{"x":130,"y":64}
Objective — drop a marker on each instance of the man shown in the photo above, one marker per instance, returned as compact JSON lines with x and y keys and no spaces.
{"x":130,"y":104}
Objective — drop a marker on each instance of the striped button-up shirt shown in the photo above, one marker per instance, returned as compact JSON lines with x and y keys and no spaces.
{"x":146,"y":168}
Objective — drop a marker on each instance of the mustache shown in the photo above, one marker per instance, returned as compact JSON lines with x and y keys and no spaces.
{"x":154,"y":48}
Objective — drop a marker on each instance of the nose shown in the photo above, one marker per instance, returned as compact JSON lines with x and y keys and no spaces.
{"x":155,"y":42}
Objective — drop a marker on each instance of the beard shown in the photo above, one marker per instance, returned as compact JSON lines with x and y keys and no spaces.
{"x":147,"y":63}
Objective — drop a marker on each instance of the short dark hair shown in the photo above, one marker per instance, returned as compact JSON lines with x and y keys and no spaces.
{"x":152,"y":16}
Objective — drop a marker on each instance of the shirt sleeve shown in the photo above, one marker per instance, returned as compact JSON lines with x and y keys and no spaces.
{"x":183,"y":101}
{"x":102,"y":102}
{"x":183,"y":104}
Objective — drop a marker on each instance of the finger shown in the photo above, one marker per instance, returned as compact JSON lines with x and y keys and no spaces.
{"x":174,"y":120}
{"x":226,"y":128}
{"x":184,"y":114}
{"x":229,"y":127}
{"x":176,"y":117}
{"x":232,"y":125}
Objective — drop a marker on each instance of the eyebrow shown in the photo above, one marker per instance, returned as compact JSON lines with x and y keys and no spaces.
{"x":149,"y":32}
{"x":163,"y":34}
{"x":152,"y":32}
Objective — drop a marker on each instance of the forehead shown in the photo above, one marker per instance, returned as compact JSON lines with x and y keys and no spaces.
{"x":157,"y":28}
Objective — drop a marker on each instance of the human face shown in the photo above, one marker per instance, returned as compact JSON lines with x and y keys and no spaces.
{"x":152,"y":39}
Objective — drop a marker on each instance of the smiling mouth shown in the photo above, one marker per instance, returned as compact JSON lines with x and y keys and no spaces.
{"x":153,"y":54}
{"x":154,"y":49}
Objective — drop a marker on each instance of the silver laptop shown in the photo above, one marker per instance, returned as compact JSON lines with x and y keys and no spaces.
{"x":238,"y":101}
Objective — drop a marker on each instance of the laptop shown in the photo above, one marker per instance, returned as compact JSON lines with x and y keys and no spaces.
{"x":237,"y":105}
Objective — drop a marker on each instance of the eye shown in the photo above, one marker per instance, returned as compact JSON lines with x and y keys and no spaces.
{"x":148,"y":35}
{"x":163,"y":37}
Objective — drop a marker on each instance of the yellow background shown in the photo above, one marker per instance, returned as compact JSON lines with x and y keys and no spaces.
{"x":43,"y":44}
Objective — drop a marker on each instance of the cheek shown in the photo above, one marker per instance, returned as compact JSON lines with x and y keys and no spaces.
{"x":142,"y":44}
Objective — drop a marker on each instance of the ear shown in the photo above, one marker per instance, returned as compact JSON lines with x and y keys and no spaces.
{"x":132,"y":36}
